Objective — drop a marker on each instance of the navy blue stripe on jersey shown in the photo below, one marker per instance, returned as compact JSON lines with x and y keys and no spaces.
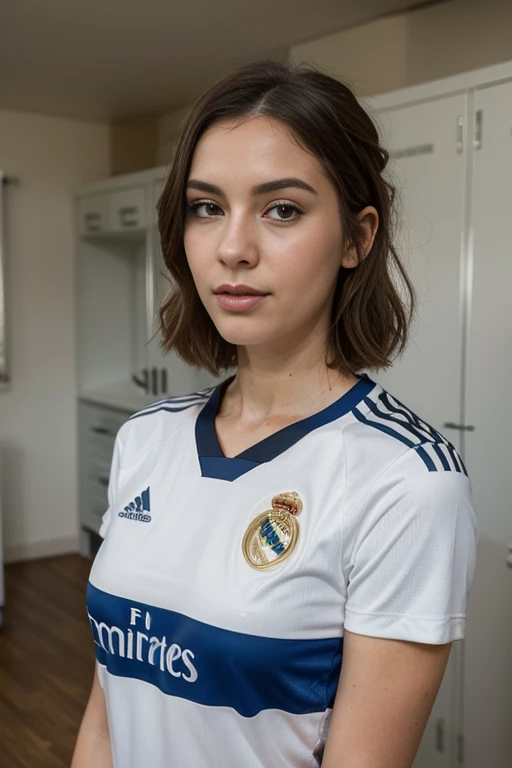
{"x":180,"y":399}
{"x":172,"y":405}
{"x":436,"y":452}
{"x":215,"y":464}
{"x":408,"y":425}
{"x":425,"y":429}
{"x":395,"y":405}
{"x":392,"y":403}
{"x":209,"y":665}
{"x":177,"y":399}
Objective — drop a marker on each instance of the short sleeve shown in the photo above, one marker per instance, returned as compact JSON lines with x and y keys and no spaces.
{"x":411,"y":555}
{"x":112,"y":486}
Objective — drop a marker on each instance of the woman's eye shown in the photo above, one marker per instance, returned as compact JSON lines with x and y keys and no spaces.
{"x":285,"y":208}
{"x":194,"y":207}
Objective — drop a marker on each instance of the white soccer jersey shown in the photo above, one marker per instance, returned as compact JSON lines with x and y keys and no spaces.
{"x":219,"y":597}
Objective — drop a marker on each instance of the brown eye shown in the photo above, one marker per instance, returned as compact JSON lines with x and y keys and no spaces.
{"x":284,"y":210}
{"x":212,"y":209}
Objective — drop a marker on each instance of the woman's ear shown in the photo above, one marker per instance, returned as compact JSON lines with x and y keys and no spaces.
{"x":368,"y":221}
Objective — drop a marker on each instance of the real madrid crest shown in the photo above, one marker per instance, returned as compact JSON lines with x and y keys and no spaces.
{"x":272,"y":536}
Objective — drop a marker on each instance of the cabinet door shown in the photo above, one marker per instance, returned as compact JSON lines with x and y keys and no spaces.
{"x":488,"y":685}
{"x":127,"y":210}
{"x":92,"y":215}
{"x":428,"y":167}
{"x":168,"y":374}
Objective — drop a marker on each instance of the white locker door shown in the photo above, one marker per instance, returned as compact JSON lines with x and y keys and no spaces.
{"x":488,"y":687}
{"x":428,"y":166}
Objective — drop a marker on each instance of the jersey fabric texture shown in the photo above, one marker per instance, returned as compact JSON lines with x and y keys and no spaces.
{"x":208,"y":662}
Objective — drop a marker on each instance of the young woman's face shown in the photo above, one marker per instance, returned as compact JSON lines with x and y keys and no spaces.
{"x":285,"y":242}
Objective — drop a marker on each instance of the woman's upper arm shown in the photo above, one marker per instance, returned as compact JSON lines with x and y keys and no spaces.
{"x":386,"y":692}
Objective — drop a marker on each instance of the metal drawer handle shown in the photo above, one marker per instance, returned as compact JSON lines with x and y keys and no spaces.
{"x":144,"y":382}
{"x":90,"y":220}
{"x":101,"y":430}
{"x":451,"y":425}
{"x":125,"y":213}
{"x":103,"y":480}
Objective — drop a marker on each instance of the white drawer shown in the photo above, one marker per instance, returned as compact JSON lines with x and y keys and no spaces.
{"x":98,"y":427}
{"x":127,"y":210}
{"x":92,"y":516}
{"x":102,"y":424}
{"x":92,"y":215}
{"x":98,"y":489}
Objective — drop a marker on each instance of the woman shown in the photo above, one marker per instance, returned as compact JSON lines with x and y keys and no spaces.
{"x":287,"y":556}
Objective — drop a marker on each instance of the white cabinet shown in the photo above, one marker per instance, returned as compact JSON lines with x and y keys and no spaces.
{"x":127,"y":210}
{"x":488,"y":658}
{"x":121,"y":283}
{"x":98,"y":426}
{"x":421,"y":139}
{"x":451,"y":148}
{"x":110,"y":212}
{"x":92,"y":214}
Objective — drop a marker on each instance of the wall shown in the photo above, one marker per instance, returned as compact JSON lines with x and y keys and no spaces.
{"x":38,"y":431}
{"x":393,"y":52}
{"x":168,"y":128}
{"x":133,"y":144}
{"x":415,"y":47}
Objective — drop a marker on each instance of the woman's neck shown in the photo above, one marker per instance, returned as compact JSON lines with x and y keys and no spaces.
{"x":256,"y":395}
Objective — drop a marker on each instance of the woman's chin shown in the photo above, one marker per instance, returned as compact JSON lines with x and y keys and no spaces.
{"x":244,"y":338}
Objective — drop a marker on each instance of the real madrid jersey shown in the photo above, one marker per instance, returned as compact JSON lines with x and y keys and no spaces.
{"x":220,"y":595}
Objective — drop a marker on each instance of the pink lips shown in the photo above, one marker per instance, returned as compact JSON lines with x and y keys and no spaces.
{"x":239,"y":297}
{"x":239,"y":303}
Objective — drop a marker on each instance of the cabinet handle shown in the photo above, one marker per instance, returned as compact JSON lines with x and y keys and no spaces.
{"x":154,"y":381}
{"x":92,"y":219}
{"x":125,"y":213}
{"x":103,"y":480}
{"x":101,"y":430}
{"x":163,"y":380}
{"x":477,"y":141}
{"x":451,"y":425}
{"x":142,"y":383}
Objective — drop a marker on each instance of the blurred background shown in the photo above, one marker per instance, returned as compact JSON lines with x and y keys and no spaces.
{"x":92,"y":96}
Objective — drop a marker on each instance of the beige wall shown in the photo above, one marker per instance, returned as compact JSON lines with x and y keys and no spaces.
{"x":133,"y":144}
{"x":38,"y":432}
{"x":415,"y":47}
{"x":371,"y":58}
{"x":394,"y":52}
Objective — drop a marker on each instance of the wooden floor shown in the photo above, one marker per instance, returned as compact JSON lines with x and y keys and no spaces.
{"x":46,"y":661}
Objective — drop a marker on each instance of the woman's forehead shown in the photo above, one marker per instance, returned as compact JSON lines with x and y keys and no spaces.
{"x":256,"y":150}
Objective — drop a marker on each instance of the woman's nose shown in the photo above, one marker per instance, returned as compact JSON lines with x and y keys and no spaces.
{"x":238,"y":242}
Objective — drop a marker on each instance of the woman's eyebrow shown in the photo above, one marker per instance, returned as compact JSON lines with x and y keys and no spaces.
{"x":259,"y":189}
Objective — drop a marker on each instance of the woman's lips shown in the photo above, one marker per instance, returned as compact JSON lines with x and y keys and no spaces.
{"x":241,"y":302}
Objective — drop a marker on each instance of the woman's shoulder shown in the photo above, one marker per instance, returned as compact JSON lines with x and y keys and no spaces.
{"x":387,"y":429}
{"x":174,"y":405}
{"x":158,"y":420}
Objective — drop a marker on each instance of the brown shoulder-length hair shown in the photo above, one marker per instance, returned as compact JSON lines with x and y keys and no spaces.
{"x":369,"y":319}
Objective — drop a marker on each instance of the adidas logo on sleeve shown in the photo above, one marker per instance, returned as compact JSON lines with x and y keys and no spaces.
{"x":138,"y":508}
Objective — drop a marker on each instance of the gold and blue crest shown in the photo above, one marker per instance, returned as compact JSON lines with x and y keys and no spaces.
{"x":273,"y":535}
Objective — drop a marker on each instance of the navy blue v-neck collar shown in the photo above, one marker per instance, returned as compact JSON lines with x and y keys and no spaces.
{"x":211,"y":457}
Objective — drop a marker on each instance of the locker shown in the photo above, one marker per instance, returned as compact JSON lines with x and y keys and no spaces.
{"x":451,"y":155}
